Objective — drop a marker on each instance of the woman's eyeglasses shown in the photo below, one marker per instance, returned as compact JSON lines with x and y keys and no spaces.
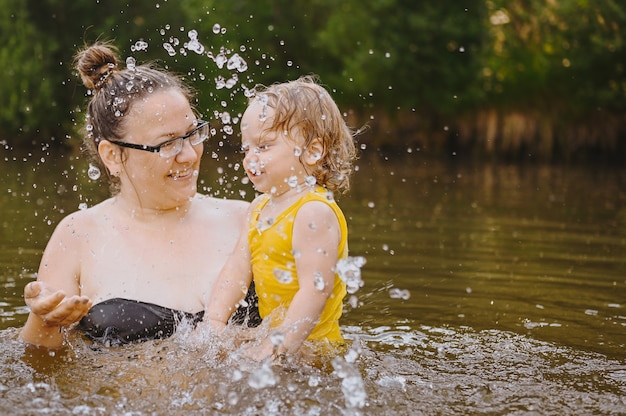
{"x":172,"y":147}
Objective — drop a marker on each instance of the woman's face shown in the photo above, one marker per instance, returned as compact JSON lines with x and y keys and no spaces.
{"x":160,"y":183}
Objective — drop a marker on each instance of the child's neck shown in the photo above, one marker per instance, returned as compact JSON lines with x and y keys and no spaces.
{"x":290,"y":194}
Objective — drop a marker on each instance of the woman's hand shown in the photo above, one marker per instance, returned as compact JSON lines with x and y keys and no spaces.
{"x":53,"y":307}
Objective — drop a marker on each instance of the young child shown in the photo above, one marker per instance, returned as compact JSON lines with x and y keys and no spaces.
{"x":298,"y":151}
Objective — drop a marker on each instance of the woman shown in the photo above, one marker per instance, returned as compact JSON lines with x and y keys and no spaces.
{"x":133,"y":266}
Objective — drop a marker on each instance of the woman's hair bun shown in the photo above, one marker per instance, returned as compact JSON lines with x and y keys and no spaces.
{"x":95,"y":64}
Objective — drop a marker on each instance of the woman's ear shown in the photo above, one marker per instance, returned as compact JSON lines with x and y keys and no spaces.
{"x":314,"y":152}
{"x":111,"y":157}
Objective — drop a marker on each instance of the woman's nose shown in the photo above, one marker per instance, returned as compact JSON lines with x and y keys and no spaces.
{"x":189,"y":152}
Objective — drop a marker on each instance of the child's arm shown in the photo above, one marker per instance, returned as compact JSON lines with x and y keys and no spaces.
{"x":316,"y":237}
{"x":232,"y":283}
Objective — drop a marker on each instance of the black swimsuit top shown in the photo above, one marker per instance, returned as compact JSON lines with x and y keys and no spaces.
{"x":118,"y":321}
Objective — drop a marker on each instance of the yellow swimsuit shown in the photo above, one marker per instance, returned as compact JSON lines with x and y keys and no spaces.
{"x":274,"y":265}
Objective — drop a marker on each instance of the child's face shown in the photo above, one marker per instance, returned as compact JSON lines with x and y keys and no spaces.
{"x":271,"y":158}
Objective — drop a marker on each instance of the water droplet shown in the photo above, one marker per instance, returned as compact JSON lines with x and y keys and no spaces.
{"x":318,"y":281}
{"x":220,"y":60}
{"x":264,"y":224}
{"x":216,"y":28}
{"x":292,"y":181}
{"x":231,"y":82}
{"x":310,"y":181}
{"x":233,"y":398}
{"x":169,"y":48}
{"x":283,"y":276}
{"x":396,"y":293}
{"x":140,"y":45}
{"x":130,"y":64}
{"x":237,"y":62}
{"x":93,"y":172}
{"x":82,"y":206}
{"x":194,"y":44}
{"x":220,"y":82}
{"x":225,"y":117}
{"x":314,"y":380}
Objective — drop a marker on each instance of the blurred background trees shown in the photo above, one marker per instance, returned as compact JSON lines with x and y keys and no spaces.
{"x":519,"y":79}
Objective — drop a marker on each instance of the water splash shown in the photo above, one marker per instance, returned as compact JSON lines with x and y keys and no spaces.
{"x":352,"y":385}
{"x":262,"y":377}
{"x":349,"y":270}
{"x":277,"y":338}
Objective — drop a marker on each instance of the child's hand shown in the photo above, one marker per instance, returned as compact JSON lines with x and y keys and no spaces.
{"x":217,"y":326}
{"x":261,"y":352}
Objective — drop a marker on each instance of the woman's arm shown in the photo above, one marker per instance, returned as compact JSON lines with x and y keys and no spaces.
{"x":54,"y":299}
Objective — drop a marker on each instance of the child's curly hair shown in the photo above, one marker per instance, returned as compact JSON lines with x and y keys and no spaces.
{"x":306,"y":105}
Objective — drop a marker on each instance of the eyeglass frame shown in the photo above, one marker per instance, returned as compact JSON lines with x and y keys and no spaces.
{"x":157,"y":148}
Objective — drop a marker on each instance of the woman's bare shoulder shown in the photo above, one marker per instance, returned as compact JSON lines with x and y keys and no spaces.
{"x":222,"y":203}
{"x":85,"y":217}
{"x":85,"y":221}
{"x":223,"y":208}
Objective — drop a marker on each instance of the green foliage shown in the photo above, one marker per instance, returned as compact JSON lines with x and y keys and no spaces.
{"x":567,"y":53}
{"x":438,"y":59}
{"x":24,"y":84}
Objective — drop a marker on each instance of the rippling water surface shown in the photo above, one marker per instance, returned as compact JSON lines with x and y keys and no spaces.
{"x":488,"y":289}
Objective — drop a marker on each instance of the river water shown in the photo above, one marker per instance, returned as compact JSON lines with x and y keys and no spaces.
{"x":488,"y":289}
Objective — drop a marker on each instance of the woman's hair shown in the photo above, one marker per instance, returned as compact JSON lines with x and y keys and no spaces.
{"x":113,"y":92}
{"x":305,"y":105}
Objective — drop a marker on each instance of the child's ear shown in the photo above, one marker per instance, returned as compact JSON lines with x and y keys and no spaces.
{"x":314,"y":152}
{"x":111,"y":156}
